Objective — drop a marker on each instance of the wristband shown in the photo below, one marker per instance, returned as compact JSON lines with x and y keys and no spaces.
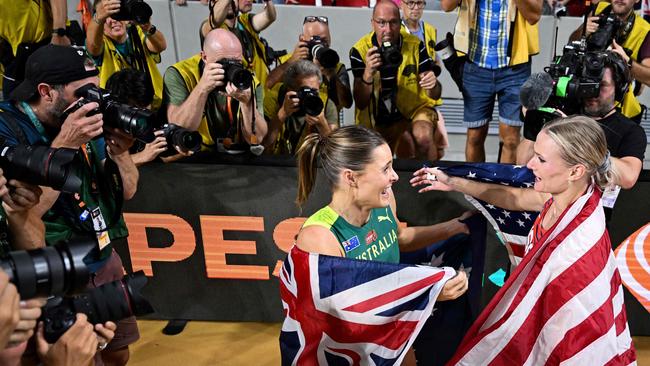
{"x":97,"y":20}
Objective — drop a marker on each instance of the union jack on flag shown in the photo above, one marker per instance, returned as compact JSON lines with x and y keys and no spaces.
{"x":512,"y":227}
{"x":342,"y":311}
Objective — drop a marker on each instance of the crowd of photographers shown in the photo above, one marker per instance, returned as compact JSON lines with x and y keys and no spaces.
{"x":82,"y":113}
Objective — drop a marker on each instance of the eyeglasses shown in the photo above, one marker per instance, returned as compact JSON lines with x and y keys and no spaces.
{"x":416,"y":4}
{"x":382,"y":23}
{"x":315,"y":18}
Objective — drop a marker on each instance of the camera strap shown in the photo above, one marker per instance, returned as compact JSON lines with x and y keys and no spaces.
{"x":37,"y":124}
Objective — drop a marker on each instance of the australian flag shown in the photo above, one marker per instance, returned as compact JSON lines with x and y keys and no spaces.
{"x":512,"y":227}
{"x":342,"y":311}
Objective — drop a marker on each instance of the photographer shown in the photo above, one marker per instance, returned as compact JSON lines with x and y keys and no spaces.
{"x":119,"y":44}
{"x":499,"y":54}
{"x":626,"y":140}
{"x":394,"y":85}
{"x":34,"y":116}
{"x":632,"y":44}
{"x":316,"y":32}
{"x":26,"y":25}
{"x":199,"y":96}
{"x":236,"y":16}
{"x":295,"y":109}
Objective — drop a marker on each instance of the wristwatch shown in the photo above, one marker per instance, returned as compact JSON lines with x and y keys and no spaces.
{"x":152,"y":30}
{"x":61,"y":32}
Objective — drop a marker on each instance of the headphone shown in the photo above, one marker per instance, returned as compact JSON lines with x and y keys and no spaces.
{"x":621,"y":74}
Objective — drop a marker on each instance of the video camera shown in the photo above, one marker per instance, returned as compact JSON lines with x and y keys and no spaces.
{"x":319,"y":50}
{"x":574,"y":76}
{"x":113,"y":301}
{"x":136,"y":10}
{"x":235,"y":73}
{"x":49,"y":271}
{"x":42,"y":165}
{"x":137,"y":122}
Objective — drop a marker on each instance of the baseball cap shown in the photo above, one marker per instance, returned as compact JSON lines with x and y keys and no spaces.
{"x":53,"y":64}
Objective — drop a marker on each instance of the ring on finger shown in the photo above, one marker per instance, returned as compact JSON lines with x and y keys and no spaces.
{"x":431,"y":177}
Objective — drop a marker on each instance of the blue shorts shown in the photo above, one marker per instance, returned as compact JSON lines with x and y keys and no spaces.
{"x":480,"y":85}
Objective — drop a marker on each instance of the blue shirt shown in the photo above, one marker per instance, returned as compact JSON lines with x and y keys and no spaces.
{"x":489,"y":41}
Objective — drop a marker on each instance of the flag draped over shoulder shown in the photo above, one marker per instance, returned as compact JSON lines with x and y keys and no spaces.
{"x":562,"y":304}
{"x":342,"y":311}
{"x":512,"y":227}
{"x":632,"y":257}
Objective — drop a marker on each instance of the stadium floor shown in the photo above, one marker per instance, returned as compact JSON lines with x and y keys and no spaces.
{"x":221,"y":343}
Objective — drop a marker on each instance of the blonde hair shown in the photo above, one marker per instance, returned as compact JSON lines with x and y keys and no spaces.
{"x":349,"y":147}
{"x":582,"y":141}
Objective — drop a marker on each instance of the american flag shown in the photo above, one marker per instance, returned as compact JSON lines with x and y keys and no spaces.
{"x":563,"y":304}
{"x":342,"y":311}
{"x":512,"y":227}
{"x":633,"y":256}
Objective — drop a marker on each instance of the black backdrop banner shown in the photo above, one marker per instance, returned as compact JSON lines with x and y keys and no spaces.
{"x":211,"y":236}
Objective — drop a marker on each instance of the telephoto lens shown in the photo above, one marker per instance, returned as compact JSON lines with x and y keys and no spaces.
{"x":318,"y":50}
{"x":50,"y":271}
{"x":310,"y":102}
{"x":136,"y":10}
{"x":43,"y":166}
{"x":113,"y":301}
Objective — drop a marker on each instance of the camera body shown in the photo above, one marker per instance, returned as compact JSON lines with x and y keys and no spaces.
{"x":137,"y":122}
{"x":235,"y":73}
{"x":319,"y":50}
{"x":610,"y":28}
{"x":112,"y":301}
{"x":136,"y":10}
{"x":391,"y":55}
{"x":182,"y":138}
{"x":310,"y":102}
{"x":42,"y":165}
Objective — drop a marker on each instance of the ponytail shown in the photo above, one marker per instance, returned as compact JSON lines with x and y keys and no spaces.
{"x":307,"y":166}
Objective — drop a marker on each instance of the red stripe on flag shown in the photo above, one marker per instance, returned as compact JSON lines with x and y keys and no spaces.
{"x":624,"y":358}
{"x":518,"y":249}
{"x":474,"y":335}
{"x":593,"y":327}
{"x":556,"y":293}
{"x":391,"y":296}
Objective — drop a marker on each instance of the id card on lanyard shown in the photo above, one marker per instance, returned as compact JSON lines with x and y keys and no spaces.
{"x":99,"y":223}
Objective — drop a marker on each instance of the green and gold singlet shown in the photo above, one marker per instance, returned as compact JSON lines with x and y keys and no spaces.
{"x":376,"y":240}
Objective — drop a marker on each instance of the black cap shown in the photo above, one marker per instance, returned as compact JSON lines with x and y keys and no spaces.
{"x":55,"y":65}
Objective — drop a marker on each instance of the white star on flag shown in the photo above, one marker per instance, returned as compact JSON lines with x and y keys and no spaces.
{"x":521,"y":223}
{"x":491,"y":207}
{"x":526,"y":215}
{"x":506,"y":213}
{"x":471,"y":175}
{"x":501,"y":220}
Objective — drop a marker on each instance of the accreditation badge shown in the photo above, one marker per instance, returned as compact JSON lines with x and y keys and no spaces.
{"x":100,"y":228}
{"x":610,"y":195}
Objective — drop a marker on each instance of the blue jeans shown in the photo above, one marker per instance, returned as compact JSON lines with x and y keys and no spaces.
{"x":480,"y":85}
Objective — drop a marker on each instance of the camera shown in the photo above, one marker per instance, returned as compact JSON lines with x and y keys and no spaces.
{"x":136,"y":10}
{"x":453,"y":63}
{"x":310,"y":102}
{"x":42,"y":165}
{"x":235,"y":73}
{"x":391,"y":55}
{"x":113,"y":301}
{"x":56,"y":270}
{"x":183,"y":138}
{"x":137,"y":122}
{"x":610,"y":28}
{"x":319,"y":50}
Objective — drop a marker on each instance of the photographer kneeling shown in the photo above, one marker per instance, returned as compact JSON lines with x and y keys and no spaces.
{"x":39,"y":114}
{"x":394,"y":85}
{"x":296,"y":108}
{"x":626,"y":140}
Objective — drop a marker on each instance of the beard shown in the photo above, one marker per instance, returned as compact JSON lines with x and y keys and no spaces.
{"x":56,"y":110}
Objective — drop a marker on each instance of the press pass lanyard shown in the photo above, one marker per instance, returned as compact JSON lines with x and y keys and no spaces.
{"x":37,"y":124}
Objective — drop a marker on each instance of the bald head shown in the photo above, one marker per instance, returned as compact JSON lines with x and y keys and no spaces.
{"x":385,"y":7}
{"x":221,"y":43}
